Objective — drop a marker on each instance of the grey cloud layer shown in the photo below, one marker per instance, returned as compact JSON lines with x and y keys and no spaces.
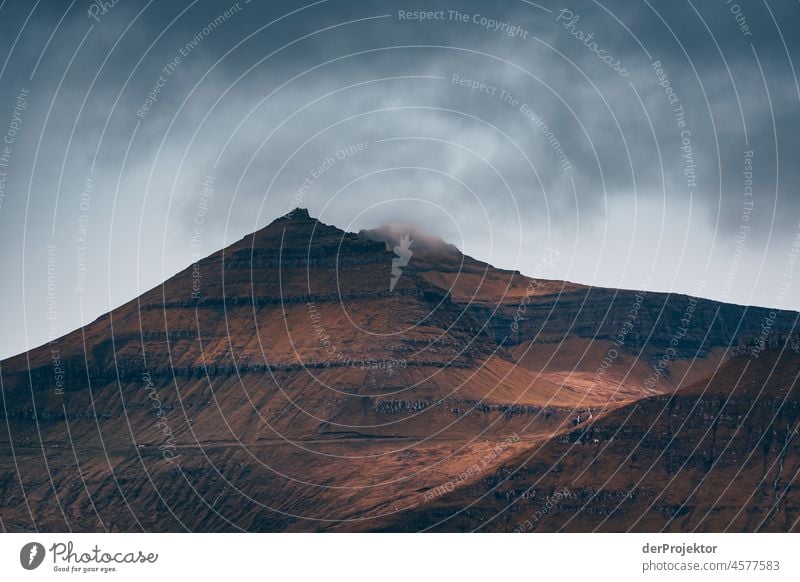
{"x":562,"y":152}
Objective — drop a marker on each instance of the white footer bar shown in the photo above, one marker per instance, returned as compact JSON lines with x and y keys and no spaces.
{"x":399,"y":557}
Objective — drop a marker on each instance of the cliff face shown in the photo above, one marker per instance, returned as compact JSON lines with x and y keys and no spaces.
{"x":306,"y":374}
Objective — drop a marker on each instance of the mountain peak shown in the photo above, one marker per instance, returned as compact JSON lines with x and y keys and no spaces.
{"x":295,"y":214}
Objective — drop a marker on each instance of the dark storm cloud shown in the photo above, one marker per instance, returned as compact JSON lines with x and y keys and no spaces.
{"x":501,"y":134}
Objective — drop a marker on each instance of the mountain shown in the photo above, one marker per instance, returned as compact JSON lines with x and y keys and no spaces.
{"x":306,"y":378}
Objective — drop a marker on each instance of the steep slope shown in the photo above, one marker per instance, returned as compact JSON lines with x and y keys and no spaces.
{"x":718,"y":455}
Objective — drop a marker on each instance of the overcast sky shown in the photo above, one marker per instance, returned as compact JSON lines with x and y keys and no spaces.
{"x":615,"y":132}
